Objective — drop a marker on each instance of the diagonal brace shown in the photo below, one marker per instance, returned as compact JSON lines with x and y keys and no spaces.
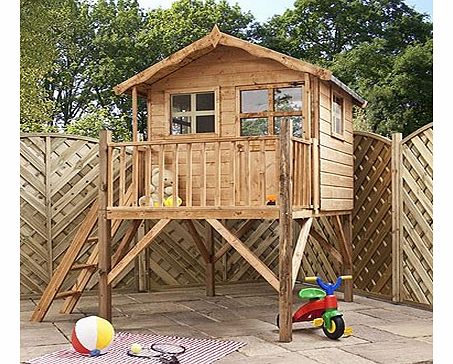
{"x":246,"y":253}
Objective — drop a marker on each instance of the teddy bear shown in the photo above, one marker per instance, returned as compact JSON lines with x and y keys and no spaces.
{"x":153,"y":198}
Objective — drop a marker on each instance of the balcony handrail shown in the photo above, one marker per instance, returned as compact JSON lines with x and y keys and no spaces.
{"x":193,"y":140}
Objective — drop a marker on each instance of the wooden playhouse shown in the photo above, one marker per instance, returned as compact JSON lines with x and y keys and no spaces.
{"x":244,"y":132}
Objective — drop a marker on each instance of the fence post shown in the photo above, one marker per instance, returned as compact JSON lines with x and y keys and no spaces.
{"x":104,"y":230}
{"x":397,"y":275}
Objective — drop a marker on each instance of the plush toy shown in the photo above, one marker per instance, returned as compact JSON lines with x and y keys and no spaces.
{"x":153,"y":198}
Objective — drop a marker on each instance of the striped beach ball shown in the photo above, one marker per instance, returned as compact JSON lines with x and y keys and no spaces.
{"x":92,"y":336}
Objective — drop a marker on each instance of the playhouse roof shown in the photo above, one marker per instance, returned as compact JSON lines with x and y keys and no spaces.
{"x":207,"y":44}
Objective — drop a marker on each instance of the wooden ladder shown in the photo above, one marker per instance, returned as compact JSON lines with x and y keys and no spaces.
{"x":69,"y":262}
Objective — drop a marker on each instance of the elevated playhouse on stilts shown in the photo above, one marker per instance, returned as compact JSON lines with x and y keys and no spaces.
{"x":243,"y":132}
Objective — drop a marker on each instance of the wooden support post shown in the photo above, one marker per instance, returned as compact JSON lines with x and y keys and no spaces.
{"x":134,"y":114}
{"x":210,"y":265}
{"x":141,"y":262}
{"x":104,"y":230}
{"x":286,"y":234}
{"x":397,"y":275}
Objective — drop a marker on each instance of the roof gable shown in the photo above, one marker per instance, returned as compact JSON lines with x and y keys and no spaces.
{"x":206,"y":45}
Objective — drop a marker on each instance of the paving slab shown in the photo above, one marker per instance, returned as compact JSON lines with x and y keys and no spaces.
{"x":409,"y":328}
{"x":256,"y":346}
{"x":286,"y":358}
{"x":140,"y":321}
{"x":395,"y":352}
{"x":335,"y":356}
{"x":235,"y":328}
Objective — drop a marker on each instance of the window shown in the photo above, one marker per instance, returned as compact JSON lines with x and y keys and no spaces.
{"x":193,"y":113}
{"x":261,"y":110}
{"x":337,"y":116}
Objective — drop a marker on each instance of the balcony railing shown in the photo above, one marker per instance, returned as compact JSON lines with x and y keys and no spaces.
{"x":206,"y":172}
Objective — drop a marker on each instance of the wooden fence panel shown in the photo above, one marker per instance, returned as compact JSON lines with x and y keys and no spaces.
{"x":372,"y":215}
{"x":417,"y":216}
{"x":58,"y":183}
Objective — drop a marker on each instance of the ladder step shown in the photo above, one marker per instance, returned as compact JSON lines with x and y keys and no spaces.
{"x":84,"y":266}
{"x":67,"y":294}
{"x":91,"y":239}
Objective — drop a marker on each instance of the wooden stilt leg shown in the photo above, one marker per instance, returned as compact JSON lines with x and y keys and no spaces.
{"x":286,"y":235}
{"x":210,"y":265}
{"x":104,"y":232}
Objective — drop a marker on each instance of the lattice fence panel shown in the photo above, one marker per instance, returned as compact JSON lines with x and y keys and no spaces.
{"x":372,"y":215}
{"x":417,"y":216}
{"x":59,"y":175}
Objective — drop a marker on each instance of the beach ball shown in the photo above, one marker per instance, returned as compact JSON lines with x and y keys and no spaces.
{"x":92,"y":336}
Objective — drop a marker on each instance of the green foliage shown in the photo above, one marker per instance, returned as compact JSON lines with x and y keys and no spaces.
{"x":168,"y":30}
{"x":73,"y":52}
{"x":96,"y":119}
{"x":37,"y":53}
{"x":380,"y":48}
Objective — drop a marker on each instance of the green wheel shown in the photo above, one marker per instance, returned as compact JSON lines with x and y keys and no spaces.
{"x":336,"y":328}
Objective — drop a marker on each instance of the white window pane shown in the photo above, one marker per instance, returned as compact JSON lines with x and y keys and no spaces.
{"x":180,"y":103}
{"x":254,"y":101}
{"x":288,"y":99}
{"x":205,"y":101}
{"x":181,"y":125}
{"x":205,"y":124}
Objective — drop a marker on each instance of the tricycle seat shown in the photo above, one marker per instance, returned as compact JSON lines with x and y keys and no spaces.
{"x":311,"y":293}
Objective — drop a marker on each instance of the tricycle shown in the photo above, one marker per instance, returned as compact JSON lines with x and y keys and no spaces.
{"x":322,"y":308}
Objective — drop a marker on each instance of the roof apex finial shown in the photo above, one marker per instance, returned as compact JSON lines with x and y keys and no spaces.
{"x":215,"y":29}
{"x":215,"y":35}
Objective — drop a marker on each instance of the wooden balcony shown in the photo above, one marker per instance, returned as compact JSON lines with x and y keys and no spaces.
{"x":231,"y":178}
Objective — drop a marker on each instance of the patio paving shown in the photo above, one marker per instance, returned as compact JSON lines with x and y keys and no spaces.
{"x":382,"y":332}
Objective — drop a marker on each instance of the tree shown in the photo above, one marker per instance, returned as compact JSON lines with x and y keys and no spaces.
{"x":168,"y":30}
{"x":371,"y":45}
{"x":37,"y":53}
{"x":317,"y":30}
{"x":403,"y":101}
{"x":96,"y":119}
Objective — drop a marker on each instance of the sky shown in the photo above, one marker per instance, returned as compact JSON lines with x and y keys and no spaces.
{"x":264,"y":9}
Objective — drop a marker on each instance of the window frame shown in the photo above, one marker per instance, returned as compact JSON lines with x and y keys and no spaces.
{"x":334,"y":132}
{"x":271,"y":114}
{"x":193,"y":113}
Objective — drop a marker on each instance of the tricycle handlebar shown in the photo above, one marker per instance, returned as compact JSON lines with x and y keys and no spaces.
{"x":329,"y":288}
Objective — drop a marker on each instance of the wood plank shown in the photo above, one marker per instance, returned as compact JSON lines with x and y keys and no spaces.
{"x":142,"y":244}
{"x":195,"y":213}
{"x":245,"y":252}
{"x":300,"y":246}
{"x":198,"y":241}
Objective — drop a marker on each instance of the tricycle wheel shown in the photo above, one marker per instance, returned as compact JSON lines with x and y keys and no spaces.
{"x":278,"y":320}
{"x":336,"y":328}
